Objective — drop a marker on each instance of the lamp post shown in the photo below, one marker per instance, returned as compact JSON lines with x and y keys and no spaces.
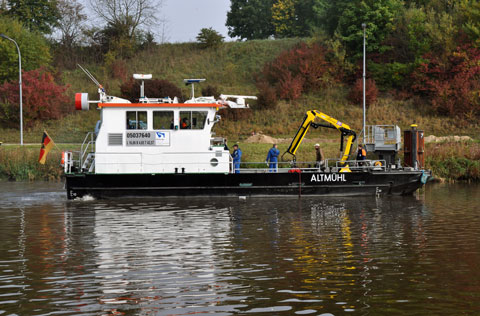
{"x":20,"y":85}
{"x":364,"y":26}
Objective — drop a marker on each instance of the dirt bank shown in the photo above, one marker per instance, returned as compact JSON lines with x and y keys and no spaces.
{"x":435,"y":139}
{"x":260,"y":138}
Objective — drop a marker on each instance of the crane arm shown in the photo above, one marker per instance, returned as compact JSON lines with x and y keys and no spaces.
{"x":333,"y":123}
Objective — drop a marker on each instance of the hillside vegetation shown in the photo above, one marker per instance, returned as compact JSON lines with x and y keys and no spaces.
{"x":423,"y":62}
{"x":232,"y":69}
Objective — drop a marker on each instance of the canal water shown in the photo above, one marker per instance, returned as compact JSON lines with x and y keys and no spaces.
{"x":415,"y":255}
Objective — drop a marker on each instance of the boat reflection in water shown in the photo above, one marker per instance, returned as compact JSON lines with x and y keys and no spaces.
{"x":228,"y":256}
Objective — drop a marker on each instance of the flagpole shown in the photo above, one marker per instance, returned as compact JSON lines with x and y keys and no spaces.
{"x":54,"y":144}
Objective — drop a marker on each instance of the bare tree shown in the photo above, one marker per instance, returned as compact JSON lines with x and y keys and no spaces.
{"x":127,"y":15}
{"x":70,"y":23}
{"x":164,"y":31}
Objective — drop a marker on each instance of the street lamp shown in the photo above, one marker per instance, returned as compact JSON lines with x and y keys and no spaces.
{"x":364,"y":26}
{"x":20,"y":85}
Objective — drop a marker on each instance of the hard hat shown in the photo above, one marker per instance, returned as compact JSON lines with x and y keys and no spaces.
{"x":317,"y":145}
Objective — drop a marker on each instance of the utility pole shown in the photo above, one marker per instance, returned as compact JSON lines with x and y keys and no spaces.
{"x":364,"y":79}
{"x":19,"y":83}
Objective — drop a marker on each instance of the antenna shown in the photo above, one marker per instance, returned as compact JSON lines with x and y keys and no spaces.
{"x":90,"y":76}
{"x":101,"y":91}
{"x":142,"y":86}
{"x":193,"y":82}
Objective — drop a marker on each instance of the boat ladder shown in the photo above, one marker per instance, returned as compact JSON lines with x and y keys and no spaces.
{"x":89,"y":163}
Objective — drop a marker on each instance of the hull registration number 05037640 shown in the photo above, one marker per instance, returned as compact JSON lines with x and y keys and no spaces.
{"x":140,"y":139}
{"x":159,"y":138}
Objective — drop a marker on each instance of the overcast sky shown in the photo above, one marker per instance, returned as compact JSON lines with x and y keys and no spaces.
{"x":185,"y":18}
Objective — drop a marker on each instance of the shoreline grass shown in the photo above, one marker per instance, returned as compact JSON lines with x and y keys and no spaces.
{"x":450,"y":161}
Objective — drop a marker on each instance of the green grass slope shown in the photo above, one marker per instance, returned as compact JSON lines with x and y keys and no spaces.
{"x":232,"y":69}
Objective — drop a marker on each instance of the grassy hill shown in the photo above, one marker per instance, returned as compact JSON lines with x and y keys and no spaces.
{"x":232,"y":69}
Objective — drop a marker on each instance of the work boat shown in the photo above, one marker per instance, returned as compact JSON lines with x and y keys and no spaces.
{"x":160,"y":147}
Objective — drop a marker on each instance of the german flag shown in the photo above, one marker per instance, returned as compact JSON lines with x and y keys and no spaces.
{"x":47,"y":144}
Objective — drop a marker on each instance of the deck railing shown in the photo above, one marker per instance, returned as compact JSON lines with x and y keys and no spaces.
{"x":327,"y":165}
{"x":83,"y":158}
{"x":88,"y":146}
{"x":86,"y":162}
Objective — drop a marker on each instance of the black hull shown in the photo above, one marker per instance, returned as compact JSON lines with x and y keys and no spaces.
{"x":244,"y":184}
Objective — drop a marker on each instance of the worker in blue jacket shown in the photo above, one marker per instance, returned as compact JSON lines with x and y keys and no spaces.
{"x":272,"y":158}
{"x":236,"y":156}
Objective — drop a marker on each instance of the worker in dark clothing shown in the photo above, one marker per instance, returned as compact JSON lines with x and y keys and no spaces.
{"x":361,"y":154}
{"x":319,"y":156}
{"x":272,"y":158}
{"x":236,"y":156}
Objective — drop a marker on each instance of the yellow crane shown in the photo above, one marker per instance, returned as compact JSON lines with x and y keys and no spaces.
{"x":345,"y":130}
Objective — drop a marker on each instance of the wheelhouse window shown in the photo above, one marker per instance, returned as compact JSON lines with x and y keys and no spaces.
{"x":137,"y":120}
{"x":193,"y":119}
{"x":163,"y":120}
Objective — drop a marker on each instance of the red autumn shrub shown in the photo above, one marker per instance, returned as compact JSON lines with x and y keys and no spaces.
{"x":210,"y":91}
{"x":267,"y":96}
{"x":301,"y":69}
{"x":235,"y":115}
{"x":289,"y":87}
{"x":155,"y":88}
{"x":451,"y":85}
{"x":356,"y":94}
{"x":43,"y":99}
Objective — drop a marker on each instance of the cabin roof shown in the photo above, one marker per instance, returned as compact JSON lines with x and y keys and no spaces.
{"x":159,"y":105}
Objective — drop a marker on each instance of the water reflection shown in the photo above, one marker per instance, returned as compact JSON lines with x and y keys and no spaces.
{"x":226,"y":256}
